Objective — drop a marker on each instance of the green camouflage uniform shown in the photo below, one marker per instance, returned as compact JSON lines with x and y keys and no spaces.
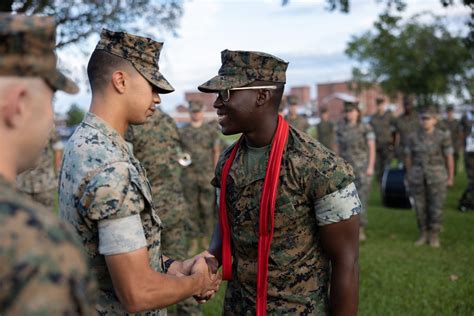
{"x":353,"y":147}
{"x":383,"y":129}
{"x":43,"y":270}
{"x":156,"y":144}
{"x":315,"y":189}
{"x":41,"y":183}
{"x":299,"y":270}
{"x":196,"y":178}
{"x":428,"y":175}
{"x":326,"y":133}
{"x":404,"y":126}
{"x":299,"y":122}
{"x":467,"y":199}
{"x":101,"y":182}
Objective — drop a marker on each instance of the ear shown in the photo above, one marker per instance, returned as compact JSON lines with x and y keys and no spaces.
{"x":14,"y":108}
{"x":119,"y":81}
{"x":263,"y":96}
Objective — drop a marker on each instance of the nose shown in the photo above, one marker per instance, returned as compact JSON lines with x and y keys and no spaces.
{"x":156,"y":98}
{"x":218,"y":103}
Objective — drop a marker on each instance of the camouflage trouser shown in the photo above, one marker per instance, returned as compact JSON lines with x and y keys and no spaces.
{"x":362,"y":183}
{"x":429,"y":200}
{"x":46,"y":198}
{"x":383,"y":159}
{"x":467,"y":199}
{"x":200,"y":195}
{"x":173,"y":210}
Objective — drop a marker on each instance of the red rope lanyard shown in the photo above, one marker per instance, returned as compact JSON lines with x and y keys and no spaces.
{"x":266,"y":216}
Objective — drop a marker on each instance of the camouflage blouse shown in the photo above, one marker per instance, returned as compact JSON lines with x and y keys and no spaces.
{"x":299,"y":269}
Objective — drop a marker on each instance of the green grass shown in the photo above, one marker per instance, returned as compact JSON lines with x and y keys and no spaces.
{"x":397,"y":278}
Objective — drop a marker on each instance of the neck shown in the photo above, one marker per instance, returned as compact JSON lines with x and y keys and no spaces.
{"x":8,"y":163}
{"x":110,"y":112}
{"x":196,"y":124}
{"x":429,"y":130}
{"x":264,"y":135}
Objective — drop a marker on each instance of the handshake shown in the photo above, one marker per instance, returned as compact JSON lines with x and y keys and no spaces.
{"x":204,"y":268}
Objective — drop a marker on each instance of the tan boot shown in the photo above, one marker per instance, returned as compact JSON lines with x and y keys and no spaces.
{"x":434,"y":240}
{"x":193,"y":248}
{"x":362,"y":236}
{"x":423,"y":238}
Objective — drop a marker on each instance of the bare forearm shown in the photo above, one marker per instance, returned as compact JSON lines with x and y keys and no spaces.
{"x":450,"y":166}
{"x":371,"y":154}
{"x":344,"y":296}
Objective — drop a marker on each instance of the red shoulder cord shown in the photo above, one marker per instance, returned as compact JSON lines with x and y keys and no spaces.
{"x":266,"y":216}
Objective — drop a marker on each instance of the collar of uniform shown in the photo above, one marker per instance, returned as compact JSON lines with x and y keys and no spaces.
{"x":241,"y":179}
{"x":96,"y":122}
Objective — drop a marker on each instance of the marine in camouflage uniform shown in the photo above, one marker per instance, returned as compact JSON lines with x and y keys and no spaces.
{"x":326,"y":130}
{"x":41,"y":183}
{"x":104,"y":191}
{"x":315,"y":191}
{"x":353,"y":145}
{"x":43,"y":270}
{"x":405,"y":124}
{"x":157,"y":145}
{"x":382,"y":123}
{"x":466,"y":202}
{"x":427,"y":153}
{"x":293,"y":118}
{"x":203,"y":144}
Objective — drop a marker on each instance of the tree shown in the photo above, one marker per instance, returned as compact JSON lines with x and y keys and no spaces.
{"x":423,"y":59}
{"x":74,"y":115}
{"x":77,"y":19}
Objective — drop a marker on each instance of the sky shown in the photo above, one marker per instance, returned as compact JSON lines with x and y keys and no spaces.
{"x":303,"y":33}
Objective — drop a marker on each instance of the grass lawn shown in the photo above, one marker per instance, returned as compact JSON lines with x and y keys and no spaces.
{"x":397,"y":278}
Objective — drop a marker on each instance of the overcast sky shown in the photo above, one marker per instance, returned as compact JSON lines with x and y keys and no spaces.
{"x":311,"y":38}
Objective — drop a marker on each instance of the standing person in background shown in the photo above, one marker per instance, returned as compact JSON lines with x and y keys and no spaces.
{"x":43,"y":268}
{"x":454,"y":127}
{"x":156,"y":144}
{"x":356,"y":144}
{"x":404,"y":125}
{"x":382,"y":123}
{"x":466,"y":203}
{"x":41,"y":182}
{"x":202,"y":141}
{"x":293,"y":118}
{"x":326,"y":130}
{"x":429,"y":164}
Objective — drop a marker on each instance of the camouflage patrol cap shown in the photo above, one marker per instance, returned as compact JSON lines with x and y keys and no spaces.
{"x":292,"y":100}
{"x":27,"y":50}
{"x":427,"y":111}
{"x":239,"y":68}
{"x":450,"y":108}
{"x":195,"y":106}
{"x":349,"y":106}
{"x":142,"y":52}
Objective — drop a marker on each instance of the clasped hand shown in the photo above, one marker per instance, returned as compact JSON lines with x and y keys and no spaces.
{"x":205,"y":267}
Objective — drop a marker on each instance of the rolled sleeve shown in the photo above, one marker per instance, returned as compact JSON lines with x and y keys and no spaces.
{"x":121,"y":235}
{"x":112,"y":194}
{"x":338,"y":206}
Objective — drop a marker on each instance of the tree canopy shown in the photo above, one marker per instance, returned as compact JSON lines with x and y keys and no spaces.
{"x":419,"y":57}
{"x":74,"y":115}
{"x":77,"y":19}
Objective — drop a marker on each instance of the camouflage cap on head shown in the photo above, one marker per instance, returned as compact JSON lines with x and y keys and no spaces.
{"x":142,"y":52}
{"x":292,"y":100}
{"x":427,"y":111}
{"x":239,"y":68}
{"x":450,"y":108}
{"x":349,"y":106}
{"x":195,"y":106}
{"x":27,"y":46}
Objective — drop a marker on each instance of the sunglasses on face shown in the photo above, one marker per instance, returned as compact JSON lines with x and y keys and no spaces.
{"x":225,"y":94}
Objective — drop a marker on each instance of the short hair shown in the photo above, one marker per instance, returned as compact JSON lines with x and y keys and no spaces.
{"x":323,"y":110}
{"x":101,"y":66}
{"x":379,"y":100}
